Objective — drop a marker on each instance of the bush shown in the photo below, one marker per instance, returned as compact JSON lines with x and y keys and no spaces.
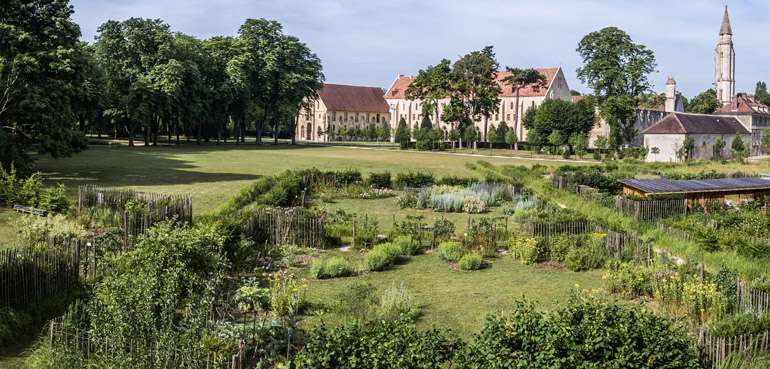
{"x":407,"y":245}
{"x":456,"y":181}
{"x":397,"y":303}
{"x":333,"y":267}
{"x":40,"y":231}
{"x":348,"y":176}
{"x":588,"y":332}
{"x":382,"y":256}
{"x":379,"y":180}
{"x":54,"y":199}
{"x":414,"y":179}
{"x":471,"y":261}
{"x":31,"y":192}
{"x":406,"y":201}
{"x":585,"y":257}
{"x":450,"y":251}
{"x":740,"y":324}
{"x":560,"y":247}
{"x":528,"y":250}
{"x":474,"y":205}
{"x":627,"y":279}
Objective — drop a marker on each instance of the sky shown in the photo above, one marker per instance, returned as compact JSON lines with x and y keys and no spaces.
{"x":369,"y":43}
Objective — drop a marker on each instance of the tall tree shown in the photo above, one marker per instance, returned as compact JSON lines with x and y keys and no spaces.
{"x":704,"y":103}
{"x":567,"y":118}
{"x":518,"y":79}
{"x":617,"y":70}
{"x":431,"y":85}
{"x":474,"y":91}
{"x":40,"y":71}
{"x":761,"y":94}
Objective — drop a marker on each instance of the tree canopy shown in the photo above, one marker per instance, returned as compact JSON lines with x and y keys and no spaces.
{"x":704,"y":103}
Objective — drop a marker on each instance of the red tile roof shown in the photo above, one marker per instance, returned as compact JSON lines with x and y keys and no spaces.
{"x":744,"y":104}
{"x":353,"y":98}
{"x":398,"y":89}
{"x":681,"y":123}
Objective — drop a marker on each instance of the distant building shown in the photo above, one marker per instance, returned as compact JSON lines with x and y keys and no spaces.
{"x":668,"y":135}
{"x":555,"y":87}
{"x":724,"y":62}
{"x":754,"y":115}
{"x":645,"y":116}
{"x":342,"y":106}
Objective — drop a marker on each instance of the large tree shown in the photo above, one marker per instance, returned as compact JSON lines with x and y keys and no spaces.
{"x":567,"y":118}
{"x":761,"y":94}
{"x":705,"y":103}
{"x":617,"y":70}
{"x":518,"y":79}
{"x":431,"y":85}
{"x":40,"y":72}
{"x":474,"y":91}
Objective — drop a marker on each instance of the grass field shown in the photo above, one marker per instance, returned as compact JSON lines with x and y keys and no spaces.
{"x":460,"y":300}
{"x":212,"y":174}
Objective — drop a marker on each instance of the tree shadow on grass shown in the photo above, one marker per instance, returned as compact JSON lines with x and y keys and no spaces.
{"x":138,"y":166}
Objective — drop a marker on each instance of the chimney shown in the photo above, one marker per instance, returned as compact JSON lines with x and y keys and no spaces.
{"x":670,"y":106}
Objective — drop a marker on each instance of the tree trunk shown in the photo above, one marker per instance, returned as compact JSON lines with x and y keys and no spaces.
{"x":130,"y":131}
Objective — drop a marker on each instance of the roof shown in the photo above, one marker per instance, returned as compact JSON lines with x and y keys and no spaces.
{"x":353,"y":98}
{"x":726,"y":29}
{"x":668,"y":186}
{"x":398,"y":89}
{"x":682,"y":123}
{"x":745,"y":104}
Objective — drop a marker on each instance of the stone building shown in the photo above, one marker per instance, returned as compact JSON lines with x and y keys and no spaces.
{"x":555,"y":87}
{"x":754,"y":115}
{"x":668,"y":136}
{"x":342,"y":106}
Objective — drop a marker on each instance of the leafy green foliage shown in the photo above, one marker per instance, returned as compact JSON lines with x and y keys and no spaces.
{"x":332,"y":267}
{"x":450,"y":251}
{"x":557,"y":120}
{"x":586,"y":257}
{"x":587,"y":332}
{"x":704,"y":103}
{"x":403,"y":136}
{"x":471,"y":261}
{"x":414,"y":179}
{"x":528,"y":250}
{"x":382,"y":257}
{"x":397,"y":303}
{"x":379,"y":180}
{"x":31,"y":192}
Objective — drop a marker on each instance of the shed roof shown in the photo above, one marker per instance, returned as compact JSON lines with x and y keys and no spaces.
{"x":668,"y":186}
{"x":682,"y":123}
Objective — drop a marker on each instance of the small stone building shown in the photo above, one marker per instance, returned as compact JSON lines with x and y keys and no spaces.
{"x":668,"y":136}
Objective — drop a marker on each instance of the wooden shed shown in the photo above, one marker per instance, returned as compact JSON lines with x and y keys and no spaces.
{"x":701,"y":190}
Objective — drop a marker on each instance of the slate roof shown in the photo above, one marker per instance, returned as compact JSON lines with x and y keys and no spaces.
{"x":398,"y":89}
{"x":668,"y":186}
{"x":353,"y":98}
{"x":682,"y":123}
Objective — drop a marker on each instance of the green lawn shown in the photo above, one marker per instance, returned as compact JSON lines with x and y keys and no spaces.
{"x":212,"y":174}
{"x":7,"y":232}
{"x":460,"y":300}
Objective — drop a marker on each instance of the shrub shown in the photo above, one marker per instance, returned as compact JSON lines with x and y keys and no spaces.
{"x":407,"y":245}
{"x":414,"y":179}
{"x":39,"y":231}
{"x":627,"y":279}
{"x":397,"y":303}
{"x":348,"y":176}
{"x":585,"y":257}
{"x":379,"y":180}
{"x":474,"y":205}
{"x":471,"y":261}
{"x":456,"y":181}
{"x":382,"y":256}
{"x":740,"y":324}
{"x":31,"y":192}
{"x":444,"y":229}
{"x":333,"y":267}
{"x":560,"y":247}
{"x":528,"y":250}
{"x":450,"y":251}
{"x":54,"y":199}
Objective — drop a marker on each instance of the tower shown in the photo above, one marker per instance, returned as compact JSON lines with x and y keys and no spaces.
{"x":670,"y":95}
{"x":724,"y":67}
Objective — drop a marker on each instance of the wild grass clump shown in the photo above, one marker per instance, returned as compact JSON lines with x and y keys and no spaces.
{"x":333,"y":267}
{"x":407,"y":245}
{"x":450,"y":251}
{"x":382,"y":256}
{"x":398,"y":303}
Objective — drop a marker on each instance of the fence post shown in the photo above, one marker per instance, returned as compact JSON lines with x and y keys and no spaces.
{"x":354,"y":232}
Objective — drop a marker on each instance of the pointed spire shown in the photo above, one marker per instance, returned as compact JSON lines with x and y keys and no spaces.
{"x":726,"y":29}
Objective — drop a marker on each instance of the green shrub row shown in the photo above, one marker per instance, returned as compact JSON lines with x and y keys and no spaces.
{"x":333,"y":267}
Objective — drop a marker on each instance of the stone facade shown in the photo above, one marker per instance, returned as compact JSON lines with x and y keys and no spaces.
{"x":341,"y":106}
{"x":556,"y":87}
{"x":724,"y":62}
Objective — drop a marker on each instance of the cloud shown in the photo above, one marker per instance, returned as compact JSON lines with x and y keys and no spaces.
{"x":368,"y":43}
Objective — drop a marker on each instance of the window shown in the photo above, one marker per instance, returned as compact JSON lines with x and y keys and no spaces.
{"x":511,"y":104}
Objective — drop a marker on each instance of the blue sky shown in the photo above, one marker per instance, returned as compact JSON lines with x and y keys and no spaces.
{"x":370,"y":42}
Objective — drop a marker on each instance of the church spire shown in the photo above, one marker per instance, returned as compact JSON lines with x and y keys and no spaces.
{"x":726,"y":29}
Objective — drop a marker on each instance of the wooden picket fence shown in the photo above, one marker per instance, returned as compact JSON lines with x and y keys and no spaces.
{"x":751,"y":300}
{"x":647,"y":210}
{"x":283,"y":226}
{"x":28,"y":276}
{"x":82,"y":349}
{"x":715,"y":350}
{"x":134,"y":212}
{"x":621,"y":245}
